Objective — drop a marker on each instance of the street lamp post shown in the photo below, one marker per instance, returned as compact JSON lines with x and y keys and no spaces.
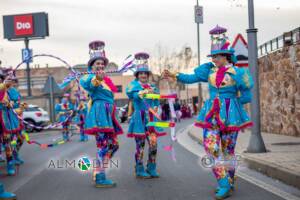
{"x":198,"y":52}
{"x":256,"y":143}
{"x":28,"y":70}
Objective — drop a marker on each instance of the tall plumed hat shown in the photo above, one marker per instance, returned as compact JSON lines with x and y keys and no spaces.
{"x":220,"y":43}
{"x":96,"y":51}
{"x":8,"y":74}
{"x":141,"y":61}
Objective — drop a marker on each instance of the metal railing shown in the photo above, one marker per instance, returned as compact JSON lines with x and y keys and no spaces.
{"x":286,"y":39}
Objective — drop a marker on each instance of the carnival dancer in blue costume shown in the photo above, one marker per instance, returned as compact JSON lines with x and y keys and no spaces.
{"x":81,"y":115}
{"x":10,"y":124}
{"x":101,"y":118}
{"x":2,"y":157}
{"x":64,"y":110}
{"x":15,"y":97}
{"x":3,"y":108}
{"x":222,"y":115}
{"x":141,"y":116}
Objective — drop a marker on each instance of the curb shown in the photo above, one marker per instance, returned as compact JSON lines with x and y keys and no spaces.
{"x":275,"y":172}
{"x":199,"y":140}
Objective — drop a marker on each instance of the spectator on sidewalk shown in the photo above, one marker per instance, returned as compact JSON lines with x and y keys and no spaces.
{"x":191,"y":109}
{"x":177,"y":108}
{"x":166,"y":111}
{"x":184,"y":110}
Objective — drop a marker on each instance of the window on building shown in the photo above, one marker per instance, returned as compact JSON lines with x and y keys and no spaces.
{"x":36,"y":82}
{"x":120,"y":89}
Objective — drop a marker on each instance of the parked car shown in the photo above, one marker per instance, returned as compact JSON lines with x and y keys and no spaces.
{"x":36,"y":116}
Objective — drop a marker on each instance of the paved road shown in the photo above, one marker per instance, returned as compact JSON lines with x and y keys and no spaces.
{"x":184,"y":179}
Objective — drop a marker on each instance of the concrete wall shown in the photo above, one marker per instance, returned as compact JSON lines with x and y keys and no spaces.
{"x":280,"y":91}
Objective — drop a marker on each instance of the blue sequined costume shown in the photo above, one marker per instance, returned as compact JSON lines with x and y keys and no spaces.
{"x":235,"y":87}
{"x":141,"y":115}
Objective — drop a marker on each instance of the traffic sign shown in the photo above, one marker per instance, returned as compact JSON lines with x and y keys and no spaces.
{"x":199,"y":14}
{"x":27,"y":55}
{"x":240,"y":47}
{"x":51,"y":86}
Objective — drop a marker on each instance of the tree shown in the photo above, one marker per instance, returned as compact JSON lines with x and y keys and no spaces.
{"x":175,"y":61}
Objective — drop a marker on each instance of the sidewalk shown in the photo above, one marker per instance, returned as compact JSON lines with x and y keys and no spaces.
{"x":282,"y":161}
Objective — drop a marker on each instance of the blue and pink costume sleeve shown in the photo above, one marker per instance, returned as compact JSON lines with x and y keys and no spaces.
{"x":14,"y":96}
{"x":229,"y":89}
{"x":141,"y":115}
{"x":80,"y":114}
{"x":101,"y":114}
{"x":8,"y":119}
{"x":62,"y":111}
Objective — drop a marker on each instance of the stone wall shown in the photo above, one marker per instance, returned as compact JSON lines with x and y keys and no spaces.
{"x":280,"y":91}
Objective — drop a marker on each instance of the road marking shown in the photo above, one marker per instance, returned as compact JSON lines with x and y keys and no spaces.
{"x":182,"y":134}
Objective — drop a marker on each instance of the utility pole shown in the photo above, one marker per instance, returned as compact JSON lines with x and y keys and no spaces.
{"x":51,"y":100}
{"x":26,"y":40}
{"x":256,"y":143}
{"x":199,"y":20}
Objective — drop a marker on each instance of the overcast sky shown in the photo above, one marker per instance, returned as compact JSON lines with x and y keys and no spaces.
{"x":128,"y":26}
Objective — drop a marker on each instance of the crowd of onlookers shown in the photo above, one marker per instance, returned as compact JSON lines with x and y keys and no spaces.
{"x":182,"y":110}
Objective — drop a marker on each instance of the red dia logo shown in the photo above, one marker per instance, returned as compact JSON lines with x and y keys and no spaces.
{"x":23,"y":25}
